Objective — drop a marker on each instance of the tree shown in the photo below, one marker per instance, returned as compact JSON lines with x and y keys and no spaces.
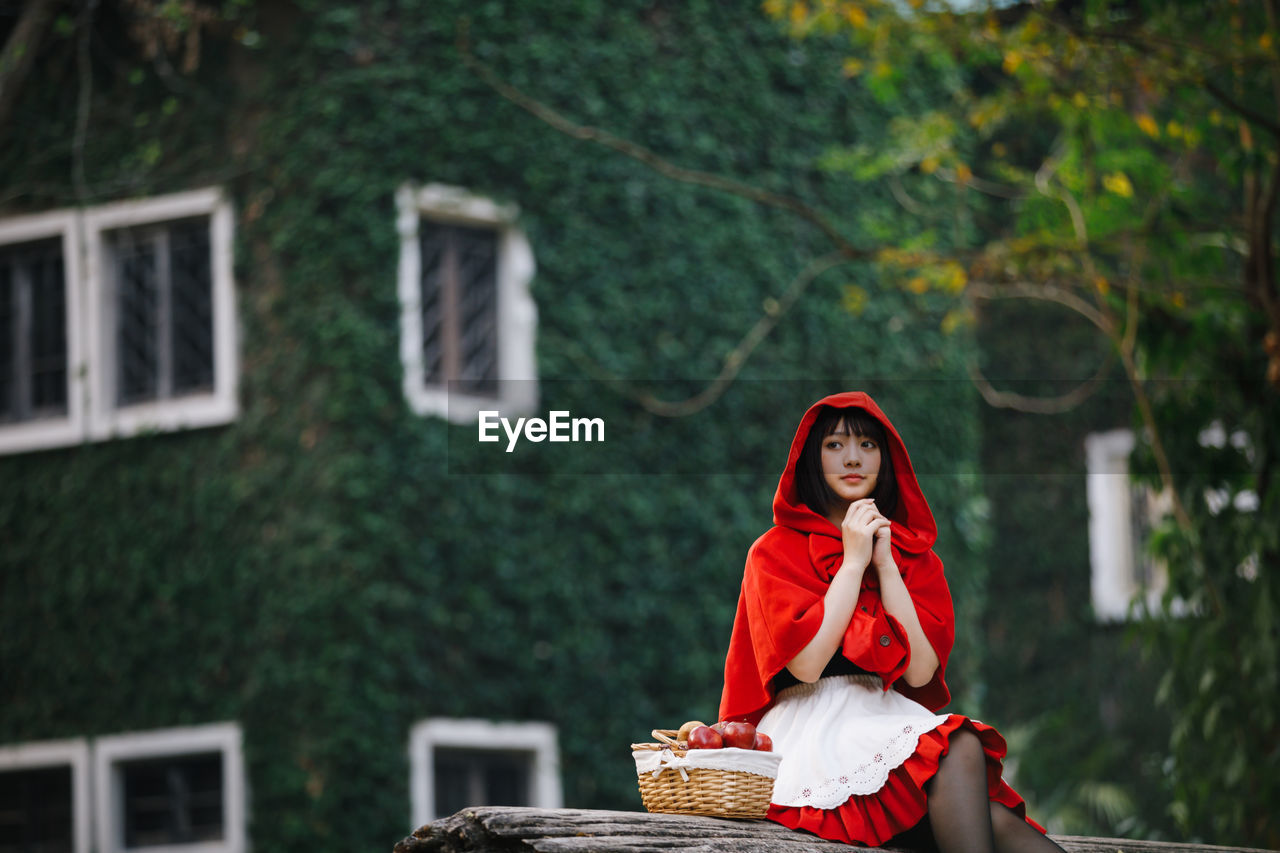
{"x":1128,"y":156}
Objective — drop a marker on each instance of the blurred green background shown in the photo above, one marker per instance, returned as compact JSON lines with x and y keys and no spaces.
{"x":331,"y":568}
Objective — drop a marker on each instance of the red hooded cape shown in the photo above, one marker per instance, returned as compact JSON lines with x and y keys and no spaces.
{"x":789,"y":568}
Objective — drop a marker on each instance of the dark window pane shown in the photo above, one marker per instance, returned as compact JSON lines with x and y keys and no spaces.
{"x":478,"y":309}
{"x":137,"y":295}
{"x":35,"y":811}
{"x":48,"y":331}
{"x":191,"y":308}
{"x":164,"y":309}
{"x":480,"y":777}
{"x":33,"y":331}
{"x":434,"y":241}
{"x":506,"y":782}
{"x":174,"y":800}
{"x":460,"y":306}
{"x":452,"y":783}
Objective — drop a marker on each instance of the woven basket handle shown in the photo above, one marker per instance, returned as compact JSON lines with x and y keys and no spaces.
{"x":667,"y":736}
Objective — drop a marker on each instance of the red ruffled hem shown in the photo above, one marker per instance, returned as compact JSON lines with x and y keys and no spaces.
{"x":901,"y":803}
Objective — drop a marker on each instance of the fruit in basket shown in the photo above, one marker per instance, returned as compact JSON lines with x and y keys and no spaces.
{"x":719,"y":727}
{"x":764,"y":743}
{"x":739,"y":735}
{"x":705,"y":737}
{"x":683,"y":734}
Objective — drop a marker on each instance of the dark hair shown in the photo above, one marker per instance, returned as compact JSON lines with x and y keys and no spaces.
{"x":812,"y":488}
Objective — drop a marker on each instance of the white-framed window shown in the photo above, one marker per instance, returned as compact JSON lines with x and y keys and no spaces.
{"x":1122,"y":514}
{"x":456,"y":763}
{"x":116,"y":319}
{"x":44,"y":797}
{"x":41,"y":297}
{"x":467,"y":319}
{"x":161,"y":318}
{"x":171,"y":791}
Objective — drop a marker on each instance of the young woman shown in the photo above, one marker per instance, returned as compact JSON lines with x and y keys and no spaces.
{"x":840,"y":647}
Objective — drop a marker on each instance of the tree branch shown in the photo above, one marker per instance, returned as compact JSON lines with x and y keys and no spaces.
{"x":900,"y":193}
{"x":1052,"y":293}
{"x":649,"y":158}
{"x":1043,"y":292}
{"x":1037,"y":405}
{"x":982,"y":185}
{"x":1250,"y":114}
{"x":84,"y":102}
{"x":737,"y":357}
{"x":1176,"y":51}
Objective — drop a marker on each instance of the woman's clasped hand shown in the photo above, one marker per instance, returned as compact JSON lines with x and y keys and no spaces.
{"x":866,"y":534}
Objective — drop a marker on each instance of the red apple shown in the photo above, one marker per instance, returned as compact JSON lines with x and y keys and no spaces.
{"x":740,"y":735}
{"x":705,"y":737}
{"x":764,"y":743}
{"x":719,"y":727}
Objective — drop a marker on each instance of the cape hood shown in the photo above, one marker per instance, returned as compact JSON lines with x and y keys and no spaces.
{"x":789,"y":568}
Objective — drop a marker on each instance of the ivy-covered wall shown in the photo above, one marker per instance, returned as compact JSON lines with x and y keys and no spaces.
{"x":315,"y":571}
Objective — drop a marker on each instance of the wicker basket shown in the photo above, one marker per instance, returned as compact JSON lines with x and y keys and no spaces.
{"x":739,"y":786}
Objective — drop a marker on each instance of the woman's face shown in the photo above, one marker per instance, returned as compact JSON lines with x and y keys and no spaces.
{"x":850,"y":464}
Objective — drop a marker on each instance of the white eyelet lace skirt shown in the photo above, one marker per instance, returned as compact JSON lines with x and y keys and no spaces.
{"x":840,"y":737}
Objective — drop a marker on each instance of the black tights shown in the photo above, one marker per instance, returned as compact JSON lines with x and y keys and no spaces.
{"x":963,"y":819}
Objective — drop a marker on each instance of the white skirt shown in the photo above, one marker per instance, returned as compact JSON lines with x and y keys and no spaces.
{"x":840,"y":737}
